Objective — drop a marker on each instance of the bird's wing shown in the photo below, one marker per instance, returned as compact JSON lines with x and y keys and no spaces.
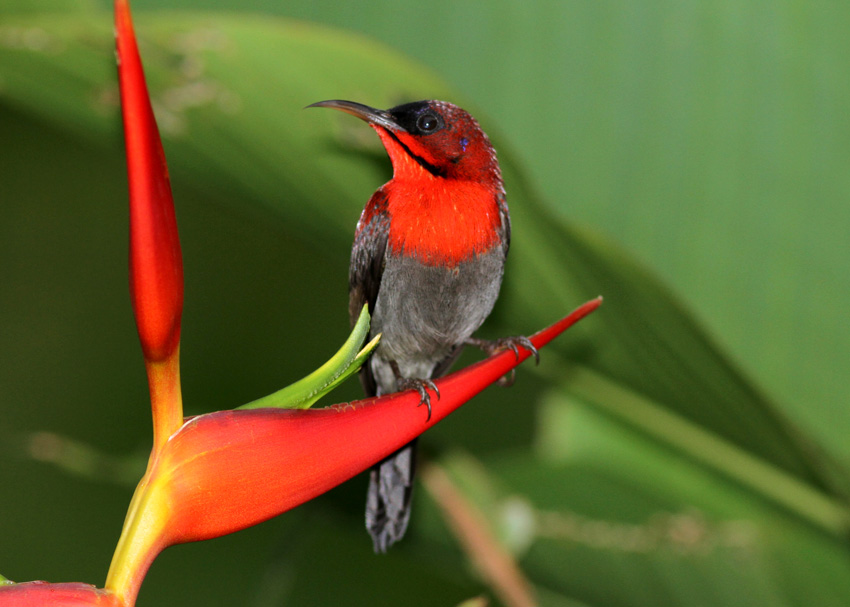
{"x":367,"y":267}
{"x":505,"y":216}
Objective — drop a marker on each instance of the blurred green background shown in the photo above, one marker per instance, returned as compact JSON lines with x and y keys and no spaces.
{"x":687,"y":160}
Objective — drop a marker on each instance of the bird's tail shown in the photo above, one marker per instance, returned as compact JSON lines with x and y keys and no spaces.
{"x":388,"y":499}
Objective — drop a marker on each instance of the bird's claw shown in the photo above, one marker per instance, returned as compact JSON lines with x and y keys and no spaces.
{"x":525,"y":343}
{"x":420,"y":385}
{"x":495,"y":346}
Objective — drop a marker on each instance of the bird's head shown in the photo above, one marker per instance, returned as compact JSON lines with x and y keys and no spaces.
{"x":429,"y":138}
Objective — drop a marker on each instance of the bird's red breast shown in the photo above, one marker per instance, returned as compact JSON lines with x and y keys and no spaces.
{"x":443,"y":222}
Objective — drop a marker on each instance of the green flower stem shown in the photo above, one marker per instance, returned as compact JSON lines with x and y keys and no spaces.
{"x":306,"y":391}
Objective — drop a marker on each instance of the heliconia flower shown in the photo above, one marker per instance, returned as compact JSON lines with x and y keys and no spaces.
{"x":228,"y":470}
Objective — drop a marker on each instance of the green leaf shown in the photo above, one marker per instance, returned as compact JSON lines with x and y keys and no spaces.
{"x":304,"y":393}
{"x":645,"y":339}
{"x":654,"y":432}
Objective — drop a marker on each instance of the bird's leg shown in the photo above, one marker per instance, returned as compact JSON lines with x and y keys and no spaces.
{"x":494,"y":346}
{"x":412,"y":383}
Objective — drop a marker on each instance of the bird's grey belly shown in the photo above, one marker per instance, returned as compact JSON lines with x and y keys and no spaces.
{"x":424,"y":312}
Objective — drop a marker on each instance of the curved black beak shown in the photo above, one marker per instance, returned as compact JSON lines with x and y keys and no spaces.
{"x":364,"y":112}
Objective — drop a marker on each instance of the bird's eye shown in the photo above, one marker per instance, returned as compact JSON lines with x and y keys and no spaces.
{"x":427,"y":122}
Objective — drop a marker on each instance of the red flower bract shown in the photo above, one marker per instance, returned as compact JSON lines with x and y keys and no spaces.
{"x":42,"y":594}
{"x":233,"y":469}
{"x":156,"y":266}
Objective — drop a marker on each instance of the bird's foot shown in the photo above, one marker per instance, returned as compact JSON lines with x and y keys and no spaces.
{"x":421,"y":386}
{"x":413,"y":383}
{"x":494,"y":346}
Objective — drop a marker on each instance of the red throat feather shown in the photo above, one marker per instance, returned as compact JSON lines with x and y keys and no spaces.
{"x":440,"y":221}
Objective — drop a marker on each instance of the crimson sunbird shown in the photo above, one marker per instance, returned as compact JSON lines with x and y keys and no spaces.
{"x":428,"y":258}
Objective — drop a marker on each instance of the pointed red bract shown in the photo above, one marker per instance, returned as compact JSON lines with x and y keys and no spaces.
{"x":42,"y":594}
{"x":156,"y":266}
{"x":232,"y":469}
